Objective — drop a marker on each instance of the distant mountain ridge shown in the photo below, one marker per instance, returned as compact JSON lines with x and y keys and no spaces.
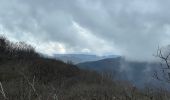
{"x":80,"y":58}
{"x":108,"y":64}
{"x":139,"y":73}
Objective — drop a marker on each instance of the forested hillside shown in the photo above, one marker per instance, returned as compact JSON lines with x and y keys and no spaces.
{"x":27,"y":75}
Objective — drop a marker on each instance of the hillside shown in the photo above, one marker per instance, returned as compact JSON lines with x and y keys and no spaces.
{"x":27,"y":75}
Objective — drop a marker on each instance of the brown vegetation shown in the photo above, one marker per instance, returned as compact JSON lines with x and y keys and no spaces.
{"x":26,"y":75}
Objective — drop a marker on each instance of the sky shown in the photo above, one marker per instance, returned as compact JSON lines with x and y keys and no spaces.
{"x":131,"y":28}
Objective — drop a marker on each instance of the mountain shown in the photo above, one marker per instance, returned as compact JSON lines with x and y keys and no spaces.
{"x":108,"y":64}
{"x":139,"y":73}
{"x":79,"y":58}
{"x":28,"y":75}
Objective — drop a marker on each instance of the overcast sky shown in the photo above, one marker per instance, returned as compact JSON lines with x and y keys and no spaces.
{"x":132,"y":28}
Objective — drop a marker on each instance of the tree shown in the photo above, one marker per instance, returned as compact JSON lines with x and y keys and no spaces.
{"x":164,"y":55}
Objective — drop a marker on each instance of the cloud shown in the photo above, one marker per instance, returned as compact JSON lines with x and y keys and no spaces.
{"x":133,"y":28}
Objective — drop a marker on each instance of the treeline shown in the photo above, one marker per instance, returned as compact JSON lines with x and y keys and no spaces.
{"x":19,"y":50}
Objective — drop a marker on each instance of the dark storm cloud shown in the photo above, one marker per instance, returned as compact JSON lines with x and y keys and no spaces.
{"x":133,"y":28}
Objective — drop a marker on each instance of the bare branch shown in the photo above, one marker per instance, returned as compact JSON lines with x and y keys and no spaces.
{"x":2,"y":91}
{"x":32,"y":85}
{"x":165,"y":75}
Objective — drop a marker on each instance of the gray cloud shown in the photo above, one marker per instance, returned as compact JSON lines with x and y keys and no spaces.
{"x":133,"y":28}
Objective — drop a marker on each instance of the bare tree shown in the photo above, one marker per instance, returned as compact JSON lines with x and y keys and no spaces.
{"x":32,"y":85}
{"x":164,"y":73}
